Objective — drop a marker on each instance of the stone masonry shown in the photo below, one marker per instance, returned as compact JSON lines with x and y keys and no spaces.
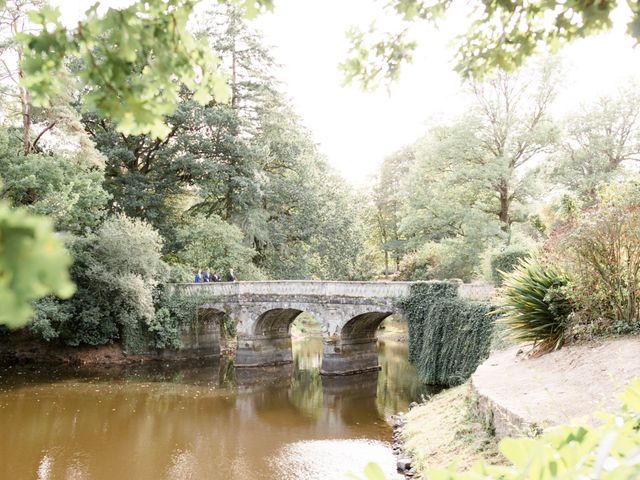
{"x":350,"y":313}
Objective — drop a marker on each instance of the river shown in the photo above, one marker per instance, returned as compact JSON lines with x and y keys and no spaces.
{"x":202,"y":420}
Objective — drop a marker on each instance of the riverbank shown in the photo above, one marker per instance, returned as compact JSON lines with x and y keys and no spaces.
{"x":23,"y":348}
{"x":510,"y":395}
{"x":443,"y":430}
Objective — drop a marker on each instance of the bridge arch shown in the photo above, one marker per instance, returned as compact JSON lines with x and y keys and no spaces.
{"x":276,"y":321}
{"x":354,"y":346}
{"x":363,"y":326}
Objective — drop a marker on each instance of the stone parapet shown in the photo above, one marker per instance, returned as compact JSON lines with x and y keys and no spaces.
{"x":321,"y":288}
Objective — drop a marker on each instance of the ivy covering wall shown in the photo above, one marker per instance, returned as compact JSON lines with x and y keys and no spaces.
{"x":448,"y":335}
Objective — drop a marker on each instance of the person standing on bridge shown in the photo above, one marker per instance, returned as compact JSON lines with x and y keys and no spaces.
{"x":207,"y":276}
{"x":215,"y":277}
{"x":231,"y":276}
{"x":198,"y":276}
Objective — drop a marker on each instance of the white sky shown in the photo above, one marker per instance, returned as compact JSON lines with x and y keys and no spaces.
{"x":356,"y":130}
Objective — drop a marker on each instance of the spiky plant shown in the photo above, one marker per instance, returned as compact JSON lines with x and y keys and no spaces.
{"x":533,"y":305}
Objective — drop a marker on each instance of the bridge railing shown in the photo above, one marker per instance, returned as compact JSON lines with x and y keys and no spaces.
{"x":324,"y":288}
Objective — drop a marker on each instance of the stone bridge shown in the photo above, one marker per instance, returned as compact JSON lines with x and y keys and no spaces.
{"x":350,"y":313}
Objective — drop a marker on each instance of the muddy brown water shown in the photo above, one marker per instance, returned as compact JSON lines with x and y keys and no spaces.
{"x":202,"y":420}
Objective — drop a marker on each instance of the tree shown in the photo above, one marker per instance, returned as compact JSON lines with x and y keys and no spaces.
{"x":155,"y":34}
{"x":63,"y":188}
{"x":515,"y":129}
{"x":13,"y":21}
{"x":472,"y":179}
{"x":599,"y":141}
{"x":134,"y":57}
{"x":389,"y":198}
{"x":210,"y":242}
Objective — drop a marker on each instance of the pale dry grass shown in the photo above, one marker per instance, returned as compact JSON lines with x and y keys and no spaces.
{"x":446,"y":430}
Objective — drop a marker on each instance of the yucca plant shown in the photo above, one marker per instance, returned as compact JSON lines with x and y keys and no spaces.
{"x":533,"y":305}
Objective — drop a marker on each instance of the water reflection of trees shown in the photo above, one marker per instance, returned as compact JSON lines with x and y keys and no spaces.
{"x":306,"y":386}
{"x":398,"y":383}
{"x":306,"y":392}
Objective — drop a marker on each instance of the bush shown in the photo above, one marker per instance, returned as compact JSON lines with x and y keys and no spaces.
{"x":506,"y":261}
{"x":116,"y":272}
{"x":534,"y":306}
{"x":448,"y":335}
{"x":603,"y":255}
{"x":177,"y":312}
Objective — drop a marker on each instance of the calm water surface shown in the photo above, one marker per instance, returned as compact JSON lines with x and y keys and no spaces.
{"x":202,"y":421}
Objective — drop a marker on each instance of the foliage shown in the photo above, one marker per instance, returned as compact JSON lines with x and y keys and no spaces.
{"x":602,"y":252}
{"x":33,"y":264}
{"x":47,"y":313}
{"x":448,"y":336}
{"x":534,"y":304}
{"x":134,"y":56}
{"x":517,"y":30}
{"x":214,"y":244}
{"x":116,"y":271}
{"x":505,"y":261}
{"x":447,"y":259}
{"x":372,"y":471}
{"x":607,"y":451}
{"x":599,"y":141}
{"x":176,"y":312}
{"x":471,"y":182}
{"x":67,"y":190}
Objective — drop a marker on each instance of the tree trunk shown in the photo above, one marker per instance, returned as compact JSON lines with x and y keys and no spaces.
{"x":234,"y":87}
{"x":505,"y":203}
{"x":26,"y":121}
{"x":25,"y":107}
{"x":386,"y":263}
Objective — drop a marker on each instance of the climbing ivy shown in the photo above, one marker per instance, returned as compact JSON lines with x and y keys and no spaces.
{"x":448,"y":335}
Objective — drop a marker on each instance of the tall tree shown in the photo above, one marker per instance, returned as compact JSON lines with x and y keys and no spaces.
{"x":389,"y":197}
{"x":598,"y":142}
{"x":472,"y":179}
{"x":514,"y":129}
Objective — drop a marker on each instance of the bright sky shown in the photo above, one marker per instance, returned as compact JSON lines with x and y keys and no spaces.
{"x":356,"y":130}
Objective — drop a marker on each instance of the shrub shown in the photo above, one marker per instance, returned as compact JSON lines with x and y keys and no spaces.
{"x":506,"y":261}
{"x":178,"y":311}
{"x":603,"y":255}
{"x":116,"y":271}
{"x":448,"y":336}
{"x":534,"y":306}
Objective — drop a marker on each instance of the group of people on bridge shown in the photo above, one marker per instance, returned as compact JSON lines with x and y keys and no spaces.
{"x":207,"y":277}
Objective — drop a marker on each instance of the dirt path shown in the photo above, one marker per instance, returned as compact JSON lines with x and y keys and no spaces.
{"x":571,"y":383}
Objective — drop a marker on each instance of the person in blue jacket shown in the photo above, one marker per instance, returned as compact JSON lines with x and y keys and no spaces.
{"x":198,"y":276}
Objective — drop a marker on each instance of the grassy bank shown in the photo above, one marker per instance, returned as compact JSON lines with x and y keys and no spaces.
{"x":446,"y":429}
